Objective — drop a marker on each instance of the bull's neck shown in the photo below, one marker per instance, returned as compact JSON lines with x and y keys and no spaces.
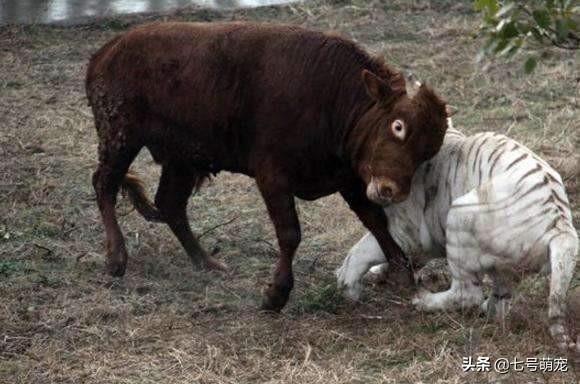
{"x":353,"y":138}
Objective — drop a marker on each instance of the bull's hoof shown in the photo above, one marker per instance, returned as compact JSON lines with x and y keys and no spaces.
{"x":116,"y":258}
{"x":275,"y":298}
{"x":215,"y":265}
{"x":116,"y":269}
{"x":400,"y":278}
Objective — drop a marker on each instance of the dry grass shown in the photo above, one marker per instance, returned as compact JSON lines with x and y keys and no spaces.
{"x":63,"y":321}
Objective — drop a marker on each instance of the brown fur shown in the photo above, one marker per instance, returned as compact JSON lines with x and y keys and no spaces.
{"x":304,"y":113}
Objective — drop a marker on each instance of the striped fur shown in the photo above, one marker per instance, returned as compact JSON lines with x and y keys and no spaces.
{"x":491,"y":206}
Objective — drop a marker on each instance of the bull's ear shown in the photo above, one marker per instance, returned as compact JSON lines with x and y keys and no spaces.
{"x":376,"y":87}
{"x":450,"y":110}
{"x":429,"y":99}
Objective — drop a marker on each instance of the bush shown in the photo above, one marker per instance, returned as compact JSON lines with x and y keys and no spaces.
{"x":510,"y":25}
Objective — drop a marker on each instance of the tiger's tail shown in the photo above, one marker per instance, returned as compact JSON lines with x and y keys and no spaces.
{"x":563,"y":251}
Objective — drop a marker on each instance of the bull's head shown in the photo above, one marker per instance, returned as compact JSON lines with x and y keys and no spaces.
{"x":395,"y":136}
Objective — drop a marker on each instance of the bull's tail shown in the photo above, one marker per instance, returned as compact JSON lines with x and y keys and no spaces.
{"x":563,"y":250}
{"x":134,"y":188}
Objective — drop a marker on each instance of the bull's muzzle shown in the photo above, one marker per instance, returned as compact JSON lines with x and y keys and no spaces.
{"x":385,"y":191}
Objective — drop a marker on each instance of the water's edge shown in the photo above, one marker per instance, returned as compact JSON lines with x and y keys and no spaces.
{"x":78,"y":12}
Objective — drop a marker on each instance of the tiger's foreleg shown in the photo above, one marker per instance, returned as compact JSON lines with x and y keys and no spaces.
{"x":364,"y":255}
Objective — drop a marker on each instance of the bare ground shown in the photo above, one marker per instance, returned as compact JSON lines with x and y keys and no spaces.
{"x":63,"y":321}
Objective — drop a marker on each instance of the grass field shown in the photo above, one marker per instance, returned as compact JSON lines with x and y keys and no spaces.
{"x":62,"y":320}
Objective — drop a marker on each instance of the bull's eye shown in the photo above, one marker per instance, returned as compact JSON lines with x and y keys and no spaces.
{"x":399,"y":130}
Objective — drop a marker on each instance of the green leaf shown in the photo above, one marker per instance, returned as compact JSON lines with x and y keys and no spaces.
{"x":490,"y":44}
{"x":530,"y":65}
{"x":542,"y":17}
{"x":561,"y":29}
{"x":506,"y":9}
{"x":487,"y":6}
{"x":537,"y":35}
{"x":490,"y":20}
{"x":512,"y":48}
{"x":480,"y":5}
{"x":568,"y":5}
{"x":501,"y":44}
{"x":509,"y":30}
{"x":572,"y":25}
{"x":512,"y":51}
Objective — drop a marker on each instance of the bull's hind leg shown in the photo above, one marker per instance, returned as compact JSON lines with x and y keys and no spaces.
{"x":115,"y":157}
{"x":175,"y":187}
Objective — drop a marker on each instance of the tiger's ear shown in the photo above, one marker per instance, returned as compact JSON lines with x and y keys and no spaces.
{"x":378,"y":89}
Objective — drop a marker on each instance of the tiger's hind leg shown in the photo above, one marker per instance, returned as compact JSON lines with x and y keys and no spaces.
{"x":498,"y":304}
{"x":465,"y":292}
{"x":464,"y":257}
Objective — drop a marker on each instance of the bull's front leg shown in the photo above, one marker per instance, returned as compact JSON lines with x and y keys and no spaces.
{"x":280,"y":203}
{"x":373,"y":217}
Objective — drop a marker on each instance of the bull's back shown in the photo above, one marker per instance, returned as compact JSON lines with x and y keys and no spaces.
{"x":198,"y":60}
{"x":226,"y":87}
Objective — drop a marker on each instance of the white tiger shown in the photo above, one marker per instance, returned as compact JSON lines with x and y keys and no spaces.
{"x":491,"y":206}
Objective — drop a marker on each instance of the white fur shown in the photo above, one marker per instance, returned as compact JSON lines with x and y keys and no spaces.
{"x":491,"y":206}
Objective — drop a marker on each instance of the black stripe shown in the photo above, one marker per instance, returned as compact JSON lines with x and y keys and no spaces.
{"x":475,"y":161}
{"x":494,"y":162}
{"x":457,"y":164}
{"x":448,"y":175}
{"x":500,"y":201}
{"x":490,"y":173}
{"x":553,"y":179}
{"x":551,"y":199}
{"x":534,"y":202}
{"x":560,"y":206}
{"x":559,"y":199}
{"x":554,"y":236}
{"x":516,"y":161}
{"x":448,"y":187}
{"x":497,"y":148}
{"x":472,"y":144}
{"x":552,"y":225}
{"x":529,"y":173}
{"x":460,"y":245}
{"x":529,"y":219}
{"x":535,"y":187}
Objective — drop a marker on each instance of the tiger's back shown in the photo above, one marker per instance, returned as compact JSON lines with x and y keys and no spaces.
{"x":517,"y":200}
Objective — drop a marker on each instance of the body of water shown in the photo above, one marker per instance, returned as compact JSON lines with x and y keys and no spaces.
{"x":49,"y":11}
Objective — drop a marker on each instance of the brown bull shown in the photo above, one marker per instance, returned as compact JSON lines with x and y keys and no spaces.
{"x":305,"y":113}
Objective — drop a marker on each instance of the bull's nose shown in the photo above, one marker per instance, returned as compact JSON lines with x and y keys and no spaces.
{"x":385,"y":191}
{"x":388,"y":190}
